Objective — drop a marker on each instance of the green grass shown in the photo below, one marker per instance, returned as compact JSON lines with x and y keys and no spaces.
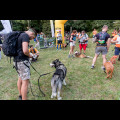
{"x":82,"y":82}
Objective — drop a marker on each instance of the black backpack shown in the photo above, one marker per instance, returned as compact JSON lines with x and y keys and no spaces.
{"x":9,"y":46}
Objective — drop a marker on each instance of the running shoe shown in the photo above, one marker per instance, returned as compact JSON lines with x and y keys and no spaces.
{"x":20,"y":97}
{"x":92,"y":67}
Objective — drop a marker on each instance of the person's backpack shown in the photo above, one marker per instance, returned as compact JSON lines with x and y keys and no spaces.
{"x":81,"y":35}
{"x":102,"y":37}
{"x":9,"y":45}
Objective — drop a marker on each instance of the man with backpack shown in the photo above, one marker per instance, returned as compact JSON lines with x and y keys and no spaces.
{"x":16,"y":45}
{"x":103,"y":43}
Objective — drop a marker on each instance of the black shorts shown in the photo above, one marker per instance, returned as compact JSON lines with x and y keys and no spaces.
{"x":59,"y":41}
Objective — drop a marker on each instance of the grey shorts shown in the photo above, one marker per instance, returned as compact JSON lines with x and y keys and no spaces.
{"x":102,"y":50}
{"x":23,"y":70}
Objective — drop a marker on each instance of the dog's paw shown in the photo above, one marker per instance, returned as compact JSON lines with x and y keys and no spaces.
{"x":64,"y":83}
{"x":52,"y":97}
{"x":59,"y":98}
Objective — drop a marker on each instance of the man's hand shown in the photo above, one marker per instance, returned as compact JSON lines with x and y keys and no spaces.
{"x":30,"y":56}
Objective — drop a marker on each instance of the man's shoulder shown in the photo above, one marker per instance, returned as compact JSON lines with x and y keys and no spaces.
{"x":23,"y":34}
{"x":24,"y":37}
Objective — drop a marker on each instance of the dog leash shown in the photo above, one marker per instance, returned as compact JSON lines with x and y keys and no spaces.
{"x":38,"y":82}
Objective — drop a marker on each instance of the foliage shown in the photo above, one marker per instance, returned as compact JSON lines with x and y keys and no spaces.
{"x":79,"y":25}
{"x":88,"y":25}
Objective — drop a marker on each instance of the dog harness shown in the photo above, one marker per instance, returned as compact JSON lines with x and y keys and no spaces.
{"x":59,"y":69}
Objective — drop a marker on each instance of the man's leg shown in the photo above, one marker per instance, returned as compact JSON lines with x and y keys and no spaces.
{"x":104,"y":59}
{"x":57,"y":46}
{"x":94,"y":60}
{"x":70,"y":51}
{"x":117,"y":51}
{"x":60,"y":45}
{"x":19,"y":84}
{"x":24,"y":89}
{"x":84,"y":47}
{"x":73,"y":51}
{"x":80,"y":46}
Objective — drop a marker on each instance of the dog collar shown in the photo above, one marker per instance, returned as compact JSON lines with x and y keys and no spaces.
{"x":110,"y":62}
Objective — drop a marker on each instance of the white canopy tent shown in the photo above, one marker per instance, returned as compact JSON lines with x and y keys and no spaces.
{"x":7,"y":27}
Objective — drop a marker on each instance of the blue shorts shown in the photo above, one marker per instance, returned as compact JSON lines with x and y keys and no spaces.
{"x":117,"y":50}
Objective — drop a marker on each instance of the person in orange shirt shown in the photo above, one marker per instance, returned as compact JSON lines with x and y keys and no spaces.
{"x":34,"y":52}
{"x":94,"y":32}
{"x":114,"y":33}
{"x":116,"y":40}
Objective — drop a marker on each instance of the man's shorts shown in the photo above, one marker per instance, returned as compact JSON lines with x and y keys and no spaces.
{"x":23,"y":69}
{"x":117,"y":50}
{"x":59,"y":41}
{"x":102,"y":50}
{"x":72,"y":44}
{"x":82,"y":46}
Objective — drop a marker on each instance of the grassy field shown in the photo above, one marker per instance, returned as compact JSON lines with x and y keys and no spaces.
{"x":82,"y":82}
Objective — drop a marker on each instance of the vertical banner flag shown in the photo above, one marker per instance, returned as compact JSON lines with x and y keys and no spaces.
{"x":6,"y":25}
{"x":52,"y":28}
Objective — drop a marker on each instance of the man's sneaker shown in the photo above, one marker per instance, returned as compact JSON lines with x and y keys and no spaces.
{"x":103,"y":69}
{"x":73,"y":56}
{"x":20,"y":97}
{"x":92,"y":67}
{"x":69,"y":56}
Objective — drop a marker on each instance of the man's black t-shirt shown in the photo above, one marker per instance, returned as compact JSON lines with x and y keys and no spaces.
{"x":102,"y":37}
{"x":21,"y":56}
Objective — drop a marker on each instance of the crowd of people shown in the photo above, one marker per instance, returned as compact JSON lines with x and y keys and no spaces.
{"x":82,"y":38}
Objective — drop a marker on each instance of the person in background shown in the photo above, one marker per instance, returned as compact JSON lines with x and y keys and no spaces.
{"x":103,"y":41}
{"x":59,"y":40}
{"x":83,"y":41}
{"x":45,"y":41}
{"x":116,"y":40}
{"x":34,"y":52}
{"x":72,"y":43}
{"x":94,"y":33}
{"x":37,"y":41}
{"x":67,"y":40}
{"x":114,"y":33}
{"x":42,"y":36}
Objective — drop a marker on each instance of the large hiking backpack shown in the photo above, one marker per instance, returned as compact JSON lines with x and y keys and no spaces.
{"x":9,"y":46}
{"x":102,"y":38}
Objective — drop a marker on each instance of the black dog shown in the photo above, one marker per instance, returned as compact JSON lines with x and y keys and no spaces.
{"x":58,"y":78}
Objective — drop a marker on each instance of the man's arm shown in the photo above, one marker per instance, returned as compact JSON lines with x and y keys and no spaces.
{"x":108,"y":43}
{"x":25,"y":49}
{"x":114,"y":40}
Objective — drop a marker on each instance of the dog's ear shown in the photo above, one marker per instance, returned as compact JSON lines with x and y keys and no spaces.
{"x":57,"y":59}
